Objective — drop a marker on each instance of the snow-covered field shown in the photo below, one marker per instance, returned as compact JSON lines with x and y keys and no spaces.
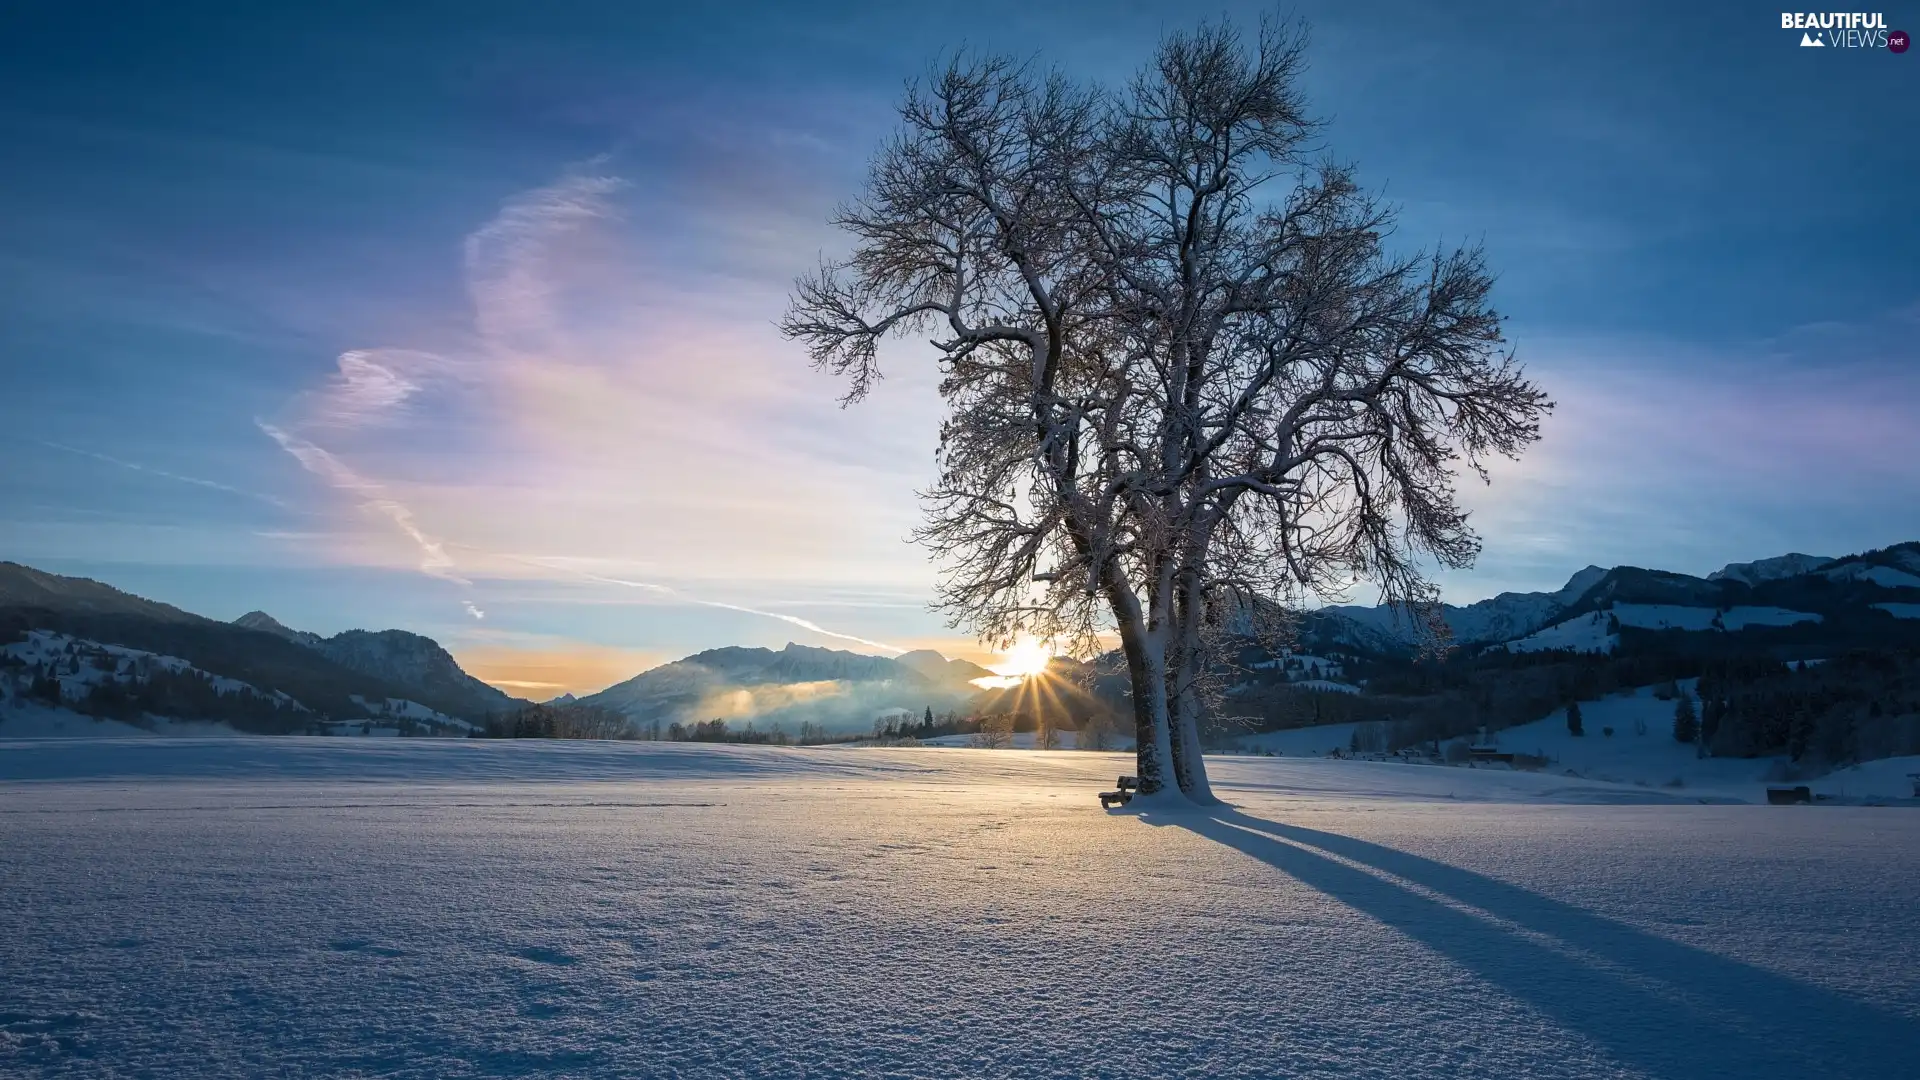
{"x":445,"y":908}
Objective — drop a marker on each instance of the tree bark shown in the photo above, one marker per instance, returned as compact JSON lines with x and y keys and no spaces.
{"x":1184,"y":706}
{"x":1146,"y":673}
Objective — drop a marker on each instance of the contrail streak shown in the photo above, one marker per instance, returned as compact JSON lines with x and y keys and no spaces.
{"x":648,"y":586}
{"x":434,"y":561}
{"x":164,"y":474}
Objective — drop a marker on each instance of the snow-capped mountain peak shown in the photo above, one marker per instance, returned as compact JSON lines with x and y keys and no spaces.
{"x":1579,"y":583}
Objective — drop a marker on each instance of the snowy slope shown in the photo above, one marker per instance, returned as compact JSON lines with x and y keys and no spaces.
{"x":1501,"y":618}
{"x":1780,"y":566}
{"x":1316,"y":741}
{"x":21,"y":719}
{"x":1594,"y":631}
{"x":1583,"y":633}
{"x":1729,"y":599}
{"x":413,"y":711}
{"x":78,"y":665}
{"x":1739,"y":618}
{"x":1681,"y":617}
{"x":1641,"y":750}
{"x":1885,"y":576}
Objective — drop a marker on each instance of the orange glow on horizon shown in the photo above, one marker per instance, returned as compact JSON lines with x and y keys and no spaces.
{"x":541,"y":673}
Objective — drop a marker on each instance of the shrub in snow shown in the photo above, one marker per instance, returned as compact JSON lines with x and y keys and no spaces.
{"x":1573,"y":719}
{"x":996,"y":732}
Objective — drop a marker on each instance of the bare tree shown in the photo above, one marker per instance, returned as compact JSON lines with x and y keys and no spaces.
{"x":996,"y":732}
{"x":1187,"y":385}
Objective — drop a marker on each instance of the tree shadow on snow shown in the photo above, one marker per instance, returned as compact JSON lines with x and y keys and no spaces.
{"x":1668,"y":1009}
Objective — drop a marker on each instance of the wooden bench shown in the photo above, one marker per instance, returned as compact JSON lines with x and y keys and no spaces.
{"x":1124,"y":787}
{"x":1787,"y":796}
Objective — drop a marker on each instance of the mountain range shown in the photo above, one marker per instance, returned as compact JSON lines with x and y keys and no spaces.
{"x":405,"y":659}
{"x":356,"y":674}
{"x":794,"y":685}
{"x":1852,"y":601}
{"x":81,"y":633}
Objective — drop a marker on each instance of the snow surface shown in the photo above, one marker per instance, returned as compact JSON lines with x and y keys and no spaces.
{"x":100,"y":663}
{"x":1589,"y":632}
{"x":1739,"y":618}
{"x":22,"y":719}
{"x":1885,"y":576}
{"x":1901,"y":611}
{"x":1780,"y":566}
{"x":1582,"y":633}
{"x":1327,"y":685}
{"x":1305,"y":741}
{"x":1642,"y":751}
{"x":405,"y":709}
{"x":1024,"y":740}
{"x":1681,"y":617}
{"x":446,"y":908}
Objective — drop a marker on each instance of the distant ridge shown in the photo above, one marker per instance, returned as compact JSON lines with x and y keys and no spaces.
{"x":331,"y":676}
{"x":23,"y":586}
{"x":1848,"y":598}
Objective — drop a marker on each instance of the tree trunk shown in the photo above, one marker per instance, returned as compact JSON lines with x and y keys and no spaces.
{"x":1191,"y":772}
{"x":1189,"y":766}
{"x":1145,"y":651}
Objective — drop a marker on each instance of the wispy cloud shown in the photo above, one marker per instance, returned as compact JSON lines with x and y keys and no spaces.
{"x":373,"y":387}
{"x":605,"y":404}
{"x":511,"y":260}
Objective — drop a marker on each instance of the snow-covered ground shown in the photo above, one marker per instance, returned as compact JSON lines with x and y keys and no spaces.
{"x":1582,"y":633}
{"x":1319,"y":740}
{"x":93,"y":663}
{"x":453,"y":908}
{"x":1641,"y":750}
{"x":20,"y":719}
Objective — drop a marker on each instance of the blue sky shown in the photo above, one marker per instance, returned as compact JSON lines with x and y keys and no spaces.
{"x":388,"y":315}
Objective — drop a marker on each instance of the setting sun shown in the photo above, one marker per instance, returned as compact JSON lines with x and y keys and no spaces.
{"x":1027,"y":657}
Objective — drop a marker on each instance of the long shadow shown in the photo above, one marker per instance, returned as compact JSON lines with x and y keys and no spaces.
{"x":1668,"y":1009}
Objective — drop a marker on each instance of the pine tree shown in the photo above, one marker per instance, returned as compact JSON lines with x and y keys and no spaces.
{"x":1799,"y":731}
{"x":1711,"y":710}
{"x":1573,"y":719}
{"x":1686,"y":724}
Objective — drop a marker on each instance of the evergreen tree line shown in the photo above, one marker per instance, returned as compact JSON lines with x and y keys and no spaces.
{"x":568,"y":721}
{"x":1857,"y":707}
{"x":575,"y":721}
{"x":153,"y":689}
